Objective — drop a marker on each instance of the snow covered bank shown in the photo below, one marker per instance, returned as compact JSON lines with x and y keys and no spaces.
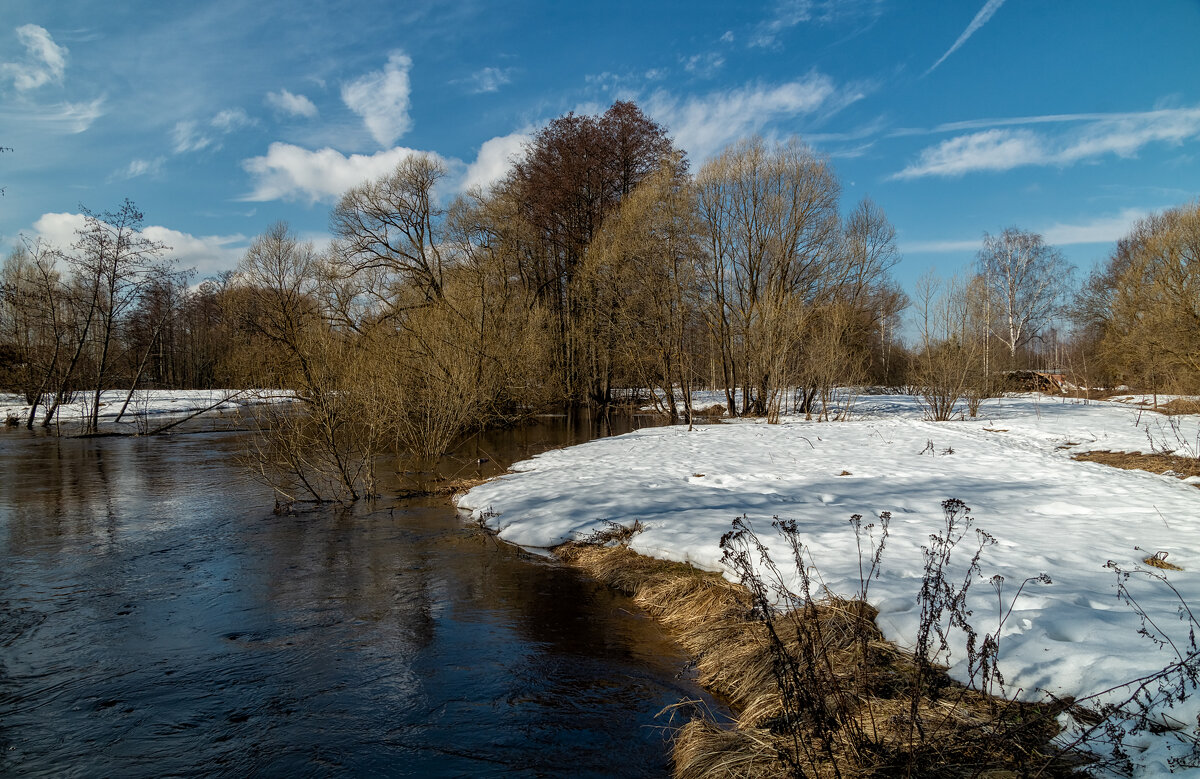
{"x":146,"y":403}
{"x":1012,"y":466}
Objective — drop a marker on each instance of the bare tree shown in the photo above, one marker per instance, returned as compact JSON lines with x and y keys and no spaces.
{"x":949,"y":365}
{"x":328,"y":452}
{"x":1140,"y":309}
{"x":111,"y":262}
{"x":638,"y":290}
{"x":771,"y":229}
{"x":2,"y":150}
{"x":35,"y":317}
{"x":393,"y":224}
{"x":1026,"y":280}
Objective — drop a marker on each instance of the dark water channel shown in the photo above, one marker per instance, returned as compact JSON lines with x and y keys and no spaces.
{"x":157,"y":619}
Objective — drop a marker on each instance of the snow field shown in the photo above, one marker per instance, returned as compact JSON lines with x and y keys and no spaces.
{"x":1012,"y":466}
{"x":145,"y":402}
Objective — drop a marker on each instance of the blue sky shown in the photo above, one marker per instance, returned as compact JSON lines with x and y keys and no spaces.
{"x":1070,"y":118}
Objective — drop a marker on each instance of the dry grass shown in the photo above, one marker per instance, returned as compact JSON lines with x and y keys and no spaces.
{"x":966,"y":732}
{"x":1180,"y":406}
{"x":1139,"y":461}
{"x":439,"y":487}
{"x":1174,"y":407}
{"x":1159,"y":560}
{"x":703,"y":750}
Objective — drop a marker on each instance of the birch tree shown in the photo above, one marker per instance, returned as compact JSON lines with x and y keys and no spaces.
{"x":1026,"y":280}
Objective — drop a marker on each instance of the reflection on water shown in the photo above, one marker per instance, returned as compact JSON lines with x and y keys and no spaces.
{"x":157,"y":618}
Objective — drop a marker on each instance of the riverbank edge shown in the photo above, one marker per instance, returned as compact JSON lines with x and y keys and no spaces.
{"x":713,"y":620}
{"x":708,"y":617}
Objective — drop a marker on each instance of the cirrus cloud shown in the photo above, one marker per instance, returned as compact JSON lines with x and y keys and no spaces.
{"x":981,"y":18}
{"x":1095,"y":136}
{"x":704,"y":124}
{"x":490,"y":79}
{"x":190,"y":135}
{"x":1103,"y":229}
{"x":45,"y":61}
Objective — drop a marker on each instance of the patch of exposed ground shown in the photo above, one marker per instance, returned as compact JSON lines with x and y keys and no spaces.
{"x":1172,"y":464}
{"x":1180,"y":406}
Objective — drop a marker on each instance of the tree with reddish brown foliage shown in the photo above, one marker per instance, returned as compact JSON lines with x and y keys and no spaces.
{"x":573,"y":174}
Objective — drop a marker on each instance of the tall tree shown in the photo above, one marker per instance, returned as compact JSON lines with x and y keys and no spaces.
{"x":772,"y":232}
{"x":1026,"y":280}
{"x":36,"y":326}
{"x":111,"y":262}
{"x":1142,"y":308}
{"x":640,"y":293}
{"x":572,"y":175}
{"x":394,"y":226}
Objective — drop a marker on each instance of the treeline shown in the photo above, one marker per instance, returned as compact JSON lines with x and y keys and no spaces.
{"x":1138,"y":315}
{"x":109,"y":312}
{"x":1133,"y":323}
{"x":601,"y":262}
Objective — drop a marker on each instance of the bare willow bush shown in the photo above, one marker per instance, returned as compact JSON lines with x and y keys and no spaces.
{"x":949,"y":366}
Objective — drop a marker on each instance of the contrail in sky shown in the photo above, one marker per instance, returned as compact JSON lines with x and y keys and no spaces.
{"x":981,"y":18}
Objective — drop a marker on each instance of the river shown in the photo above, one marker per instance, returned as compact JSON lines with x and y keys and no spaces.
{"x":157,"y":618}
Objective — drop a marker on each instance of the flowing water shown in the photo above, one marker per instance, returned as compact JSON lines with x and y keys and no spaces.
{"x":157,"y":619}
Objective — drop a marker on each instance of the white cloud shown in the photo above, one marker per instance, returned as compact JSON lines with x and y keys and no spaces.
{"x":58,"y":230}
{"x":231,"y":119}
{"x":190,"y":135}
{"x":789,"y":13}
{"x":702,"y":125}
{"x":381,"y":98}
{"x":139,"y":167}
{"x":1108,"y":229}
{"x":1104,"y":229}
{"x":981,"y":18}
{"x":186,"y":136}
{"x":208,"y":254}
{"x":62,"y":118}
{"x":989,"y":150}
{"x":1123,"y":135}
{"x":494,"y":160}
{"x":939,"y":247}
{"x":285,"y":102}
{"x":490,"y":79}
{"x":45,"y":61}
{"x":289,"y":172}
